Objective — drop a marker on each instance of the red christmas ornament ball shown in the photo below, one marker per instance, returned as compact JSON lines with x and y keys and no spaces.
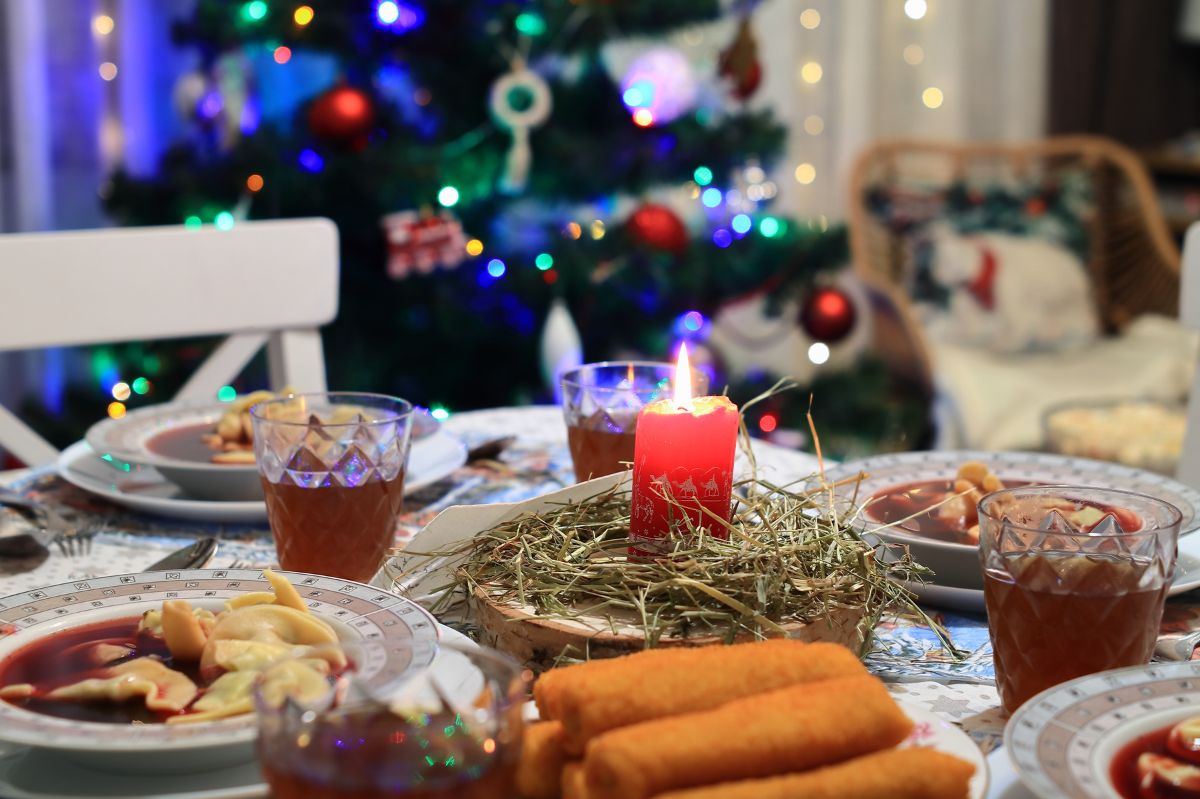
{"x":827,"y":315}
{"x":343,"y":114}
{"x":658,"y":227}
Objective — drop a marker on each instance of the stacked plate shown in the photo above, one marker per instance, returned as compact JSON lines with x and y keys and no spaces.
{"x":116,"y":462}
{"x":958,"y":579}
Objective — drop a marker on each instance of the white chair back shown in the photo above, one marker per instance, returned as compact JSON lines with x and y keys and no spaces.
{"x":269,"y":283}
{"x":1189,"y":314}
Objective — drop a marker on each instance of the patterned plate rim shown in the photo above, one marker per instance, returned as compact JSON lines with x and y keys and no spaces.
{"x":1026,"y":726}
{"x":361,"y":610}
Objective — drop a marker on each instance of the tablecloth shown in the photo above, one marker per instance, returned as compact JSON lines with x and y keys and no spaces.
{"x":905,"y":652}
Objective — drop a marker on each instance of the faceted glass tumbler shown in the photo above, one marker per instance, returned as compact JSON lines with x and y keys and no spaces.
{"x":601,"y":402}
{"x":1074,"y":581}
{"x":452,"y":729}
{"x":332,"y":467}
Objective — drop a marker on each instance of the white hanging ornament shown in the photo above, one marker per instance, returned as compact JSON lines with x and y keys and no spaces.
{"x":561,"y":345}
{"x":520,"y":101}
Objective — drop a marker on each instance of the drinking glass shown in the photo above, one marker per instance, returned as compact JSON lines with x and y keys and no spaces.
{"x":1074,"y":580}
{"x":600,"y":403}
{"x":452,"y":729}
{"x":332,"y":468}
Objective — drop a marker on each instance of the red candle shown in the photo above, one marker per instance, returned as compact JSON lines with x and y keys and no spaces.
{"x":682,"y":464}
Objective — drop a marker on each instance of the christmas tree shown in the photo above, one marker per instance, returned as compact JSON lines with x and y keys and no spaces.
{"x":481,"y":160}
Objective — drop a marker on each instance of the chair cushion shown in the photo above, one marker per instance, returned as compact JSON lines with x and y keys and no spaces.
{"x":1006,"y":293}
{"x":999,"y":399}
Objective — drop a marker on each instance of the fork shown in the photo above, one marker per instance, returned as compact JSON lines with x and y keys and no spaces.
{"x":73,"y":542}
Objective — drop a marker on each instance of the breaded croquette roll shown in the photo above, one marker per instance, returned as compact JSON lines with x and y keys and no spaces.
{"x":791,"y":729}
{"x":574,"y":784}
{"x":539,"y":771}
{"x":592,"y":698}
{"x":892,"y":774}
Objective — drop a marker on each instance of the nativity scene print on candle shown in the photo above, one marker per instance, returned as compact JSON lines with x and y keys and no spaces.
{"x":682,"y":466}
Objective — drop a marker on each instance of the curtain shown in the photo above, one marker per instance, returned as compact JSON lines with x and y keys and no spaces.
{"x":987,"y":58}
{"x":1122,"y":68}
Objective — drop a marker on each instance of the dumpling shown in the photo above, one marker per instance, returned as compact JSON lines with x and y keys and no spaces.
{"x":183,"y":631}
{"x":304,"y":680}
{"x":163,"y":689}
{"x":151,"y":622}
{"x":231,"y":694}
{"x":279,"y":627}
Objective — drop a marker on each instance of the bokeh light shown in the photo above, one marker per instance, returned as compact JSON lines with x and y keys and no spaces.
{"x":303,"y":15}
{"x":810,"y":18}
{"x":741,"y":223}
{"x":474,"y":247}
{"x":643,"y":118}
{"x":932,"y":97}
{"x":530,"y":24}
{"x":711,"y":197}
{"x":254,"y":10}
{"x":448,"y":196}
{"x":439,"y":412}
{"x":811,"y":72}
{"x":915,"y":9}
{"x":141,"y":386}
{"x":769,"y":226}
{"x":283,"y":54}
{"x":543,"y":261}
{"x":767,"y":423}
{"x":496,"y":268}
{"x":818,"y":353}
{"x":722,"y":237}
{"x":254,"y":182}
{"x":121,"y":391}
{"x":116,"y":410}
{"x":103,"y":24}
{"x":914,"y":54}
{"x":224,"y":221}
{"x":226,"y":393}
{"x":192,"y":222}
{"x":805,"y":173}
{"x":814,"y":125}
{"x":703,"y":175}
{"x":108,"y":70}
{"x":311,"y":161}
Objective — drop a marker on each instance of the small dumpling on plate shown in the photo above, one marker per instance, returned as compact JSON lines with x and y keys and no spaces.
{"x":277,"y":626}
{"x":162,"y":689}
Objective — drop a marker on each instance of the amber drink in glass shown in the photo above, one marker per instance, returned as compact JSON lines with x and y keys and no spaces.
{"x":600,"y":403}
{"x":332,"y":468}
{"x":1074,"y":580}
{"x":451,"y":731}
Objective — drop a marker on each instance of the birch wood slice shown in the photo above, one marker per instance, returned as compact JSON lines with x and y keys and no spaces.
{"x":539,"y":642}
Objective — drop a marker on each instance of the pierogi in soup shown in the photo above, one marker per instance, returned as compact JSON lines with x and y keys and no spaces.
{"x":178,"y":664}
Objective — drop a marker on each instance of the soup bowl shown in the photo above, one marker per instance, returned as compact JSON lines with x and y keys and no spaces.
{"x":355,"y":611}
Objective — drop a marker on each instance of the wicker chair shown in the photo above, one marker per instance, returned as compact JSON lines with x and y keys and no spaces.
{"x":1132,"y":261}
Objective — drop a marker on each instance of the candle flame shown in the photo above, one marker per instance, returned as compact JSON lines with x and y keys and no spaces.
{"x":683,"y":379}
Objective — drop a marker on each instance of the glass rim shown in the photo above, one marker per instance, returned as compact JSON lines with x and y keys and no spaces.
{"x":566,"y":379}
{"x":517,"y":672}
{"x":1174,"y":512}
{"x":393,"y":416}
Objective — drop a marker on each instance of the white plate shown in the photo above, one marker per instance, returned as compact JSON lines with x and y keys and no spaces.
{"x":355,"y":610}
{"x":957,"y":565}
{"x":141,"y":488}
{"x":935,"y":732}
{"x":1062,"y":741}
{"x":43,"y":774}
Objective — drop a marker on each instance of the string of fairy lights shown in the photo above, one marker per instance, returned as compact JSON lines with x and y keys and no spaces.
{"x":656,"y":89}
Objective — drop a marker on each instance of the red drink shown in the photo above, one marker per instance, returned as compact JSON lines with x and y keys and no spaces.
{"x":599,"y":452}
{"x":1055,"y":617}
{"x":337,"y":530}
{"x":372,"y":753}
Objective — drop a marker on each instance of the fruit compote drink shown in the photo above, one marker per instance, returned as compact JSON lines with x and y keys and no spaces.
{"x":600,"y":447}
{"x":372,"y":753}
{"x":1074,"y":582}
